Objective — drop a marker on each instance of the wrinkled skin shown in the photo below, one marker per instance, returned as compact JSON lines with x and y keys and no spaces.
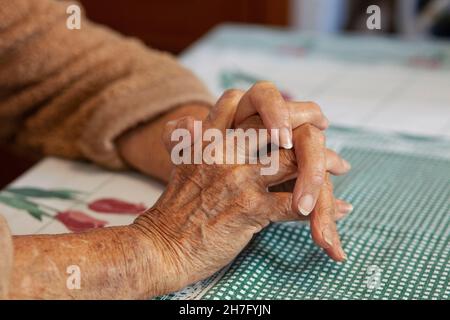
{"x":206,"y":216}
{"x":209,"y":213}
{"x":262,"y":106}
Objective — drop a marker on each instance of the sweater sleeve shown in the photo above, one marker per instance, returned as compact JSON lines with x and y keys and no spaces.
{"x":71,"y":93}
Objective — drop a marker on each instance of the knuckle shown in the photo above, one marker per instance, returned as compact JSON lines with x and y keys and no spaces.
{"x":317,"y":177}
{"x":250,"y":200}
{"x":315,"y":106}
{"x":314,"y":109}
{"x":263,"y":85}
{"x":262,"y":90}
{"x":326,"y":209}
{"x":235,"y":175}
{"x":231,"y":94}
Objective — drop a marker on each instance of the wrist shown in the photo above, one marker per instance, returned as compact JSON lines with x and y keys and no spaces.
{"x":163,"y":263}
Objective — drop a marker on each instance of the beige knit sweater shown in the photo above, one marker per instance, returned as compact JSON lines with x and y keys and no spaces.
{"x":70,"y":93}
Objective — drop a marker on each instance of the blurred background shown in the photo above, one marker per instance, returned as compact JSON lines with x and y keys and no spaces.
{"x":173,"y":25}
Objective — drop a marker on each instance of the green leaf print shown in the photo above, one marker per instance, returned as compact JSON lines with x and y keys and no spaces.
{"x":21,"y":203}
{"x":43,"y":193}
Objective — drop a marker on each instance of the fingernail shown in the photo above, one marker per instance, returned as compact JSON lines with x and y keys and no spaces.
{"x":327,"y":122}
{"x":347,"y":164}
{"x":305,"y":205}
{"x":275,"y":136}
{"x":286,"y":138}
{"x":327,"y":236}
{"x":342,"y":253}
{"x":348,"y":208}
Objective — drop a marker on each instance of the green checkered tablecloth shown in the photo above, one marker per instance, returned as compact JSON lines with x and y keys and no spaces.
{"x":397,"y":237}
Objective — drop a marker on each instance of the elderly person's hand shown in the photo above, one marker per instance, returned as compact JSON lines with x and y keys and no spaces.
{"x":264,"y":99}
{"x":313,"y":189}
{"x":209,"y":212}
{"x":308,"y":149}
{"x":206,"y":216}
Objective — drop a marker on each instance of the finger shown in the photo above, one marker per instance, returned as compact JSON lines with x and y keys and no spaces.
{"x":307,"y":112}
{"x":299,"y":112}
{"x":336,"y":252}
{"x":278,"y":207}
{"x":255,"y":122}
{"x":264,"y":99}
{"x":310,"y":154}
{"x":343,"y":206}
{"x":176,"y":130}
{"x":223,"y":113}
{"x":323,"y":226}
{"x":252,"y":122}
{"x":288,"y":167}
{"x":281,"y":210}
{"x":336,"y":164}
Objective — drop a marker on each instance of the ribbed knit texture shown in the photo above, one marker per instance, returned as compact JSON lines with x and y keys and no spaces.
{"x":71,"y":93}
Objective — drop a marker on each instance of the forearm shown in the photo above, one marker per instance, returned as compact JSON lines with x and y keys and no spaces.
{"x":114,"y":263}
{"x":142,"y":147}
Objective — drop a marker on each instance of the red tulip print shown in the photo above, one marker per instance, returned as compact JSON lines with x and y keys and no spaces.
{"x":78,"y":221}
{"x":111,"y":205}
{"x":22,"y":198}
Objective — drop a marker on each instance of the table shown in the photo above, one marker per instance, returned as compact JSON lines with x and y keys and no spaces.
{"x":390,"y":106}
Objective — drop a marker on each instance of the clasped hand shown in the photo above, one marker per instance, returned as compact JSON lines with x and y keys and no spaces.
{"x":209,"y":212}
